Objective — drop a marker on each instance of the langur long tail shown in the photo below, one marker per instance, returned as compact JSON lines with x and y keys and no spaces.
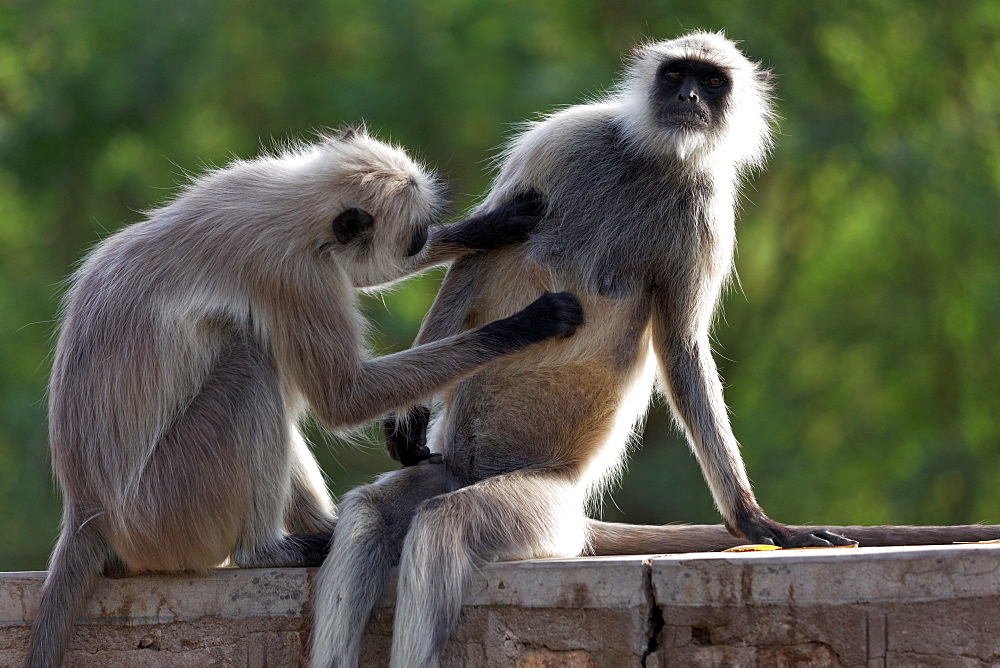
{"x":611,"y":538}
{"x":78,"y":560}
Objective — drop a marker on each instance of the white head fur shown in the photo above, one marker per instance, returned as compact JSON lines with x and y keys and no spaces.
{"x":743,"y":139}
{"x":295,"y":194}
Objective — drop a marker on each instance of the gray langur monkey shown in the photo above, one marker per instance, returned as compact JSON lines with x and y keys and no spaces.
{"x":641,"y":189}
{"x":193,"y":342}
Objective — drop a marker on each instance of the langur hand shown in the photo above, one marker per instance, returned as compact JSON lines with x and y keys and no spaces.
{"x":553,"y":315}
{"x":406,"y":435}
{"x":761,"y":530}
{"x":511,"y":222}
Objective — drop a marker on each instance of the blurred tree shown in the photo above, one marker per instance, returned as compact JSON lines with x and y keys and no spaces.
{"x":859,"y":354}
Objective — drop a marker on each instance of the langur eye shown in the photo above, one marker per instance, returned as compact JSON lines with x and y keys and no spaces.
{"x":715,"y":81}
{"x":673,"y":75}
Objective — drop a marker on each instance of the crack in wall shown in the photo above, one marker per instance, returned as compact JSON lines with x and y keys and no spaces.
{"x":654,"y":615}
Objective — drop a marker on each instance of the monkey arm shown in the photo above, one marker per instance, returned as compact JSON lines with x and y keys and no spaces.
{"x":694,"y":389}
{"x":379,"y":385}
{"x":691,"y":383}
{"x":453,"y":302}
{"x":405,"y":433}
{"x":315,"y":343}
{"x":509,"y":222}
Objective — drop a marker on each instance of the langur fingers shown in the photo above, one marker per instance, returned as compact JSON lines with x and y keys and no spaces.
{"x":761,"y":530}
{"x":553,"y":315}
{"x":511,"y":222}
{"x":824,"y":538}
{"x":815,"y":538}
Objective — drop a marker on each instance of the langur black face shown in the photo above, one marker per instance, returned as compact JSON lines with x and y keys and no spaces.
{"x":690,"y":94}
{"x":372,"y":249}
{"x":356,"y":226}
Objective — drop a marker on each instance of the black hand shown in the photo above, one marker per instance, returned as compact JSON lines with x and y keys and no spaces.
{"x":762,"y":530}
{"x":511,"y":222}
{"x":553,"y":315}
{"x":406,"y":436}
{"x":530,"y":203}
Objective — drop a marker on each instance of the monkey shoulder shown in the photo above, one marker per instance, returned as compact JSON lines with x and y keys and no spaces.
{"x":549,"y":143}
{"x":566,"y":123}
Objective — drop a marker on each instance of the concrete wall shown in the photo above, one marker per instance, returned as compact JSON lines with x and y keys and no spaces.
{"x":877,"y":606}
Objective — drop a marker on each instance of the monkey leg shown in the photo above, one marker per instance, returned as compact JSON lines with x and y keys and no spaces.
{"x":192,"y":498}
{"x":310,"y":508}
{"x":367,"y":542}
{"x":519,"y":515}
{"x":217,"y":482}
{"x":282,"y":478}
{"x":280,"y":501}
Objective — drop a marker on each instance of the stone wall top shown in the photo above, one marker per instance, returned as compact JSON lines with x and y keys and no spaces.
{"x":845,"y":606}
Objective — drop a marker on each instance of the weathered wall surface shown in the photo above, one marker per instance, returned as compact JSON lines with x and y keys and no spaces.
{"x":871,"y":606}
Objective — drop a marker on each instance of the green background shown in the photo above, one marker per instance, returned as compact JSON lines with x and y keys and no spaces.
{"x":861,"y":354}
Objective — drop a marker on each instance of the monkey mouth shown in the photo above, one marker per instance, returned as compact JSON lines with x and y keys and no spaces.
{"x":417,"y":242}
{"x":686,"y":119}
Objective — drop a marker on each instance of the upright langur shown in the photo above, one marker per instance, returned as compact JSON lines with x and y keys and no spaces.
{"x":193,"y":342}
{"x":641,"y":190}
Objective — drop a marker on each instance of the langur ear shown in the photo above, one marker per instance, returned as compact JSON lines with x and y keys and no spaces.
{"x":766,"y":76}
{"x":348,"y":132}
{"x":350,"y":224}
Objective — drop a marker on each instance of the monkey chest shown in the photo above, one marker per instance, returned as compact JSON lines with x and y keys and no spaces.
{"x":627,"y":265}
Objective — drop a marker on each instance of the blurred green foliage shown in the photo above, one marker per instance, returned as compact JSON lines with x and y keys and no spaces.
{"x":861,"y":354}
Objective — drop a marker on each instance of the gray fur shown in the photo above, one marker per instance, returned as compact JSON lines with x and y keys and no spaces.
{"x":367,"y":544}
{"x":641,"y":227}
{"x":193,"y":342}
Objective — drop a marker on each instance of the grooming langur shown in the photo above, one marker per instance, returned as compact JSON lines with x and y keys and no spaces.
{"x":641,"y":189}
{"x":193,"y":342}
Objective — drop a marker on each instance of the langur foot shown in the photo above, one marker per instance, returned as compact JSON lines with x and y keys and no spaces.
{"x":312,"y":548}
{"x":819,"y":538}
{"x":115,"y":568}
{"x":300,"y":549}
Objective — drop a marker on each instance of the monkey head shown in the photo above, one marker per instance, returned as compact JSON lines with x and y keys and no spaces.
{"x":690,"y":95}
{"x":379,"y":205}
{"x":701,"y":97}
